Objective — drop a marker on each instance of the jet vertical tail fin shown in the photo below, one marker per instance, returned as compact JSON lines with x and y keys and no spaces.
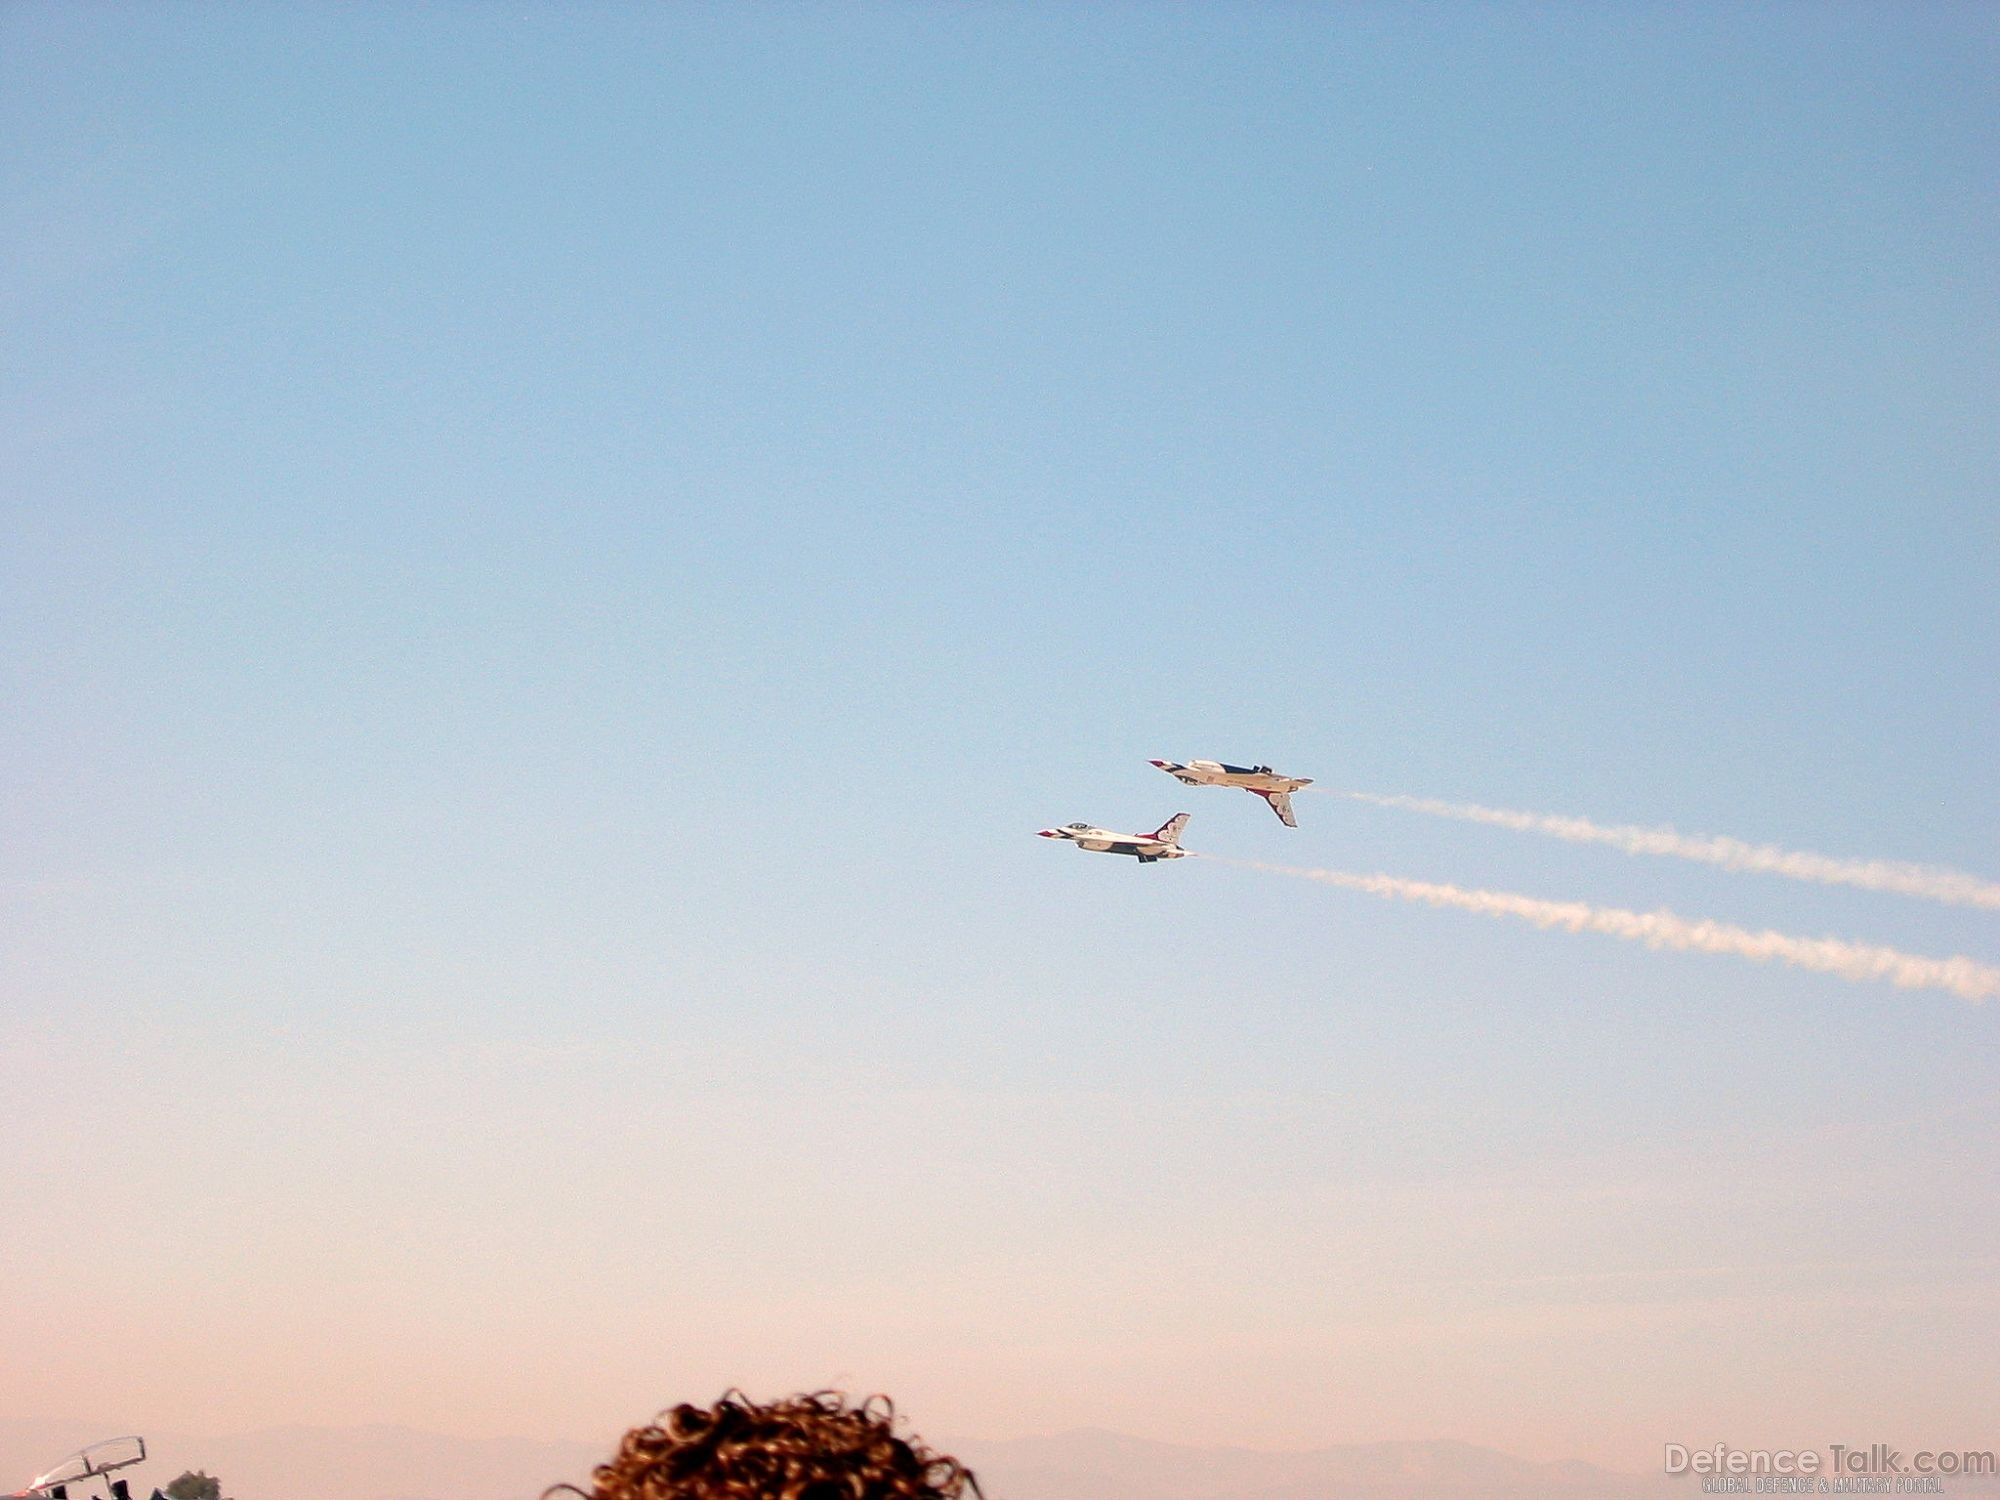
{"x":1169,"y":832}
{"x":1281,"y":804}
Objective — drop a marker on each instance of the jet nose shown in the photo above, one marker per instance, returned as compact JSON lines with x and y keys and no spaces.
{"x":1162,"y":764}
{"x":1047,"y":833}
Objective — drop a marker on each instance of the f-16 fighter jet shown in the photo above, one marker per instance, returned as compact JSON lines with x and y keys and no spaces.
{"x":1163,"y":842}
{"x":1265,"y":782}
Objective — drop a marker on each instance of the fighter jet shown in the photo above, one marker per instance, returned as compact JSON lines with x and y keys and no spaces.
{"x":1266,"y":783}
{"x":1163,"y":842}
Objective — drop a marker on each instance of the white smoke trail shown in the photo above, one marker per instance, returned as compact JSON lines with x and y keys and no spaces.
{"x":1964,"y":977}
{"x":1932,"y":883}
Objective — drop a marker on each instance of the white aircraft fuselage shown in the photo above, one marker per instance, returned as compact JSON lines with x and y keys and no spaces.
{"x":1162,"y":843}
{"x":1262,"y":780}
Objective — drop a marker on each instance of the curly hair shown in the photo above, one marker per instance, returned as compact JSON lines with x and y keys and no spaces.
{"x":813,"y":1447}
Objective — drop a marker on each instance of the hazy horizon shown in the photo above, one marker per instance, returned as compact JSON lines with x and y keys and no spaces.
{"x":393,"y":1463}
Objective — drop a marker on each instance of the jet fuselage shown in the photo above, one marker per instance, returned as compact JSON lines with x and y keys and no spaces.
{"x":1262,"y":780}
{"x":1162,"y":843}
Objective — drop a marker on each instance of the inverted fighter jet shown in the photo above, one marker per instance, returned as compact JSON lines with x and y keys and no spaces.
{"x":1265,"y":782}
{"x":1163,"y":842}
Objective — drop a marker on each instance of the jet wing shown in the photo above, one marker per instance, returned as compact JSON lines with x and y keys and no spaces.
{"x":1281,"y":804}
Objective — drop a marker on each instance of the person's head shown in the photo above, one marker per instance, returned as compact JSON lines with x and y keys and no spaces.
{"x":813,"y":1447}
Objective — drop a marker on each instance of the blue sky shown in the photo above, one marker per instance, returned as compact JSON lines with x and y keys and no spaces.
{"x":560,"y":555}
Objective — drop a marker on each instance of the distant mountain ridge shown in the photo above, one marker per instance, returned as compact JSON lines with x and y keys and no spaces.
{"x":1091,"y":1464}
{"x":401,"y":1463}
